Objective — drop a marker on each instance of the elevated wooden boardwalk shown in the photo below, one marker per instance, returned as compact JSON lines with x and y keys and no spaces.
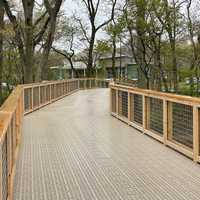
{"x":74,"y":150}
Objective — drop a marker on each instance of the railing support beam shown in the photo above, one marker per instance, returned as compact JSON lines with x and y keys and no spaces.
{"x":196,"y":133}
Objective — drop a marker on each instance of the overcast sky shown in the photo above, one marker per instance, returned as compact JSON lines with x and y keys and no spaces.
{"x":75,"y":6}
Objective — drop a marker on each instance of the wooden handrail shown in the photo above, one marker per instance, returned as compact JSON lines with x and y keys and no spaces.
{"x":162,"y":95}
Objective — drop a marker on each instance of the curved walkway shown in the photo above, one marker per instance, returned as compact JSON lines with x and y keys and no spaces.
{"x":74,"y":150}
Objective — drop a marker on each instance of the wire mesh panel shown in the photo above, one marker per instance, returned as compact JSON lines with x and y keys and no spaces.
{"x":57,"y":90}
{"x":42,"y":94}
{"x":113,"y":100}
{"x":101,"y":84}
{"x":13,"y":137}
{"x":52,"y":91}
{"x":28,"y":99}
{"x":4,"y":170}
{"x":136,"y":108}
{"x":182,"y":124}
{"x":106,"y":84}
{"x":93,"y":83}
{"x":70,"y":86}
{"x":88,"y":84}
{"x":123,"y":103}
{"x":156,"y":115}
{"x":66,"y":88}
{"x":62,"y":89}
{"x":81,"y":82}
{"x":36,"y":97}
{"x":74,"y":85}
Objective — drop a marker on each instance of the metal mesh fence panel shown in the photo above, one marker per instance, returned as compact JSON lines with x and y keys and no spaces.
{"x":28,"y":99}
{"x":93,"y":84}
{"x":136,"y":108}
{"x":156,"y":115}
{"x":36,"y":97}
{"x":48,"y":93}
{"x":4,"y":170}
{"x":87,"y":83}
{"x":82,"y":85}
{"x":123,"y":103}
{"x":52,"y":91}
{"x":113,"y":100}
{"x":13,"y":138}
{"x":182,"y":124}
{"x":42,"y":94}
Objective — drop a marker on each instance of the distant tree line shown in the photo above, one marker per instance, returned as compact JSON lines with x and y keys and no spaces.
{"x":163,"y":37}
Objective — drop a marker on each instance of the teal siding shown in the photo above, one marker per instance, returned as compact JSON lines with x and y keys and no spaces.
{"x":132,"y":71}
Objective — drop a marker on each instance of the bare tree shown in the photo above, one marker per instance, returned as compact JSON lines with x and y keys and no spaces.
{"x":53,"y":13}
{"x":25,"y":37}
{"x":1,"y":46}
{"x":195,"y":60}
{"x":92,"y":8}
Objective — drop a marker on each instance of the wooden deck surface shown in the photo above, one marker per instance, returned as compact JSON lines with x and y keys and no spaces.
{"x":74,"y":150}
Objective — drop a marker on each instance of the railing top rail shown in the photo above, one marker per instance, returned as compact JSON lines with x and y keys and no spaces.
{"x":46,"y":83}
{"x":161,"y":95}
{"x":59,"y":81}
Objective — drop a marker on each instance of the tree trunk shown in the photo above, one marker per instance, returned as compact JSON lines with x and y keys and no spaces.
{"x":1,"y":50}
{"x":90,"y":54}
{"x":47,"y":48}
{"x":28,"y":6}
{"x":53,"y":12}
{"x":74,"y":72}
{"x":174,"y":65}
{"x":113,"y":57}
{"x":143,"y":79}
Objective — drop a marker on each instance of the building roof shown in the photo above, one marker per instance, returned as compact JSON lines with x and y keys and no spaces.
{"x":77,"y":65}
{"x":109,"y":56}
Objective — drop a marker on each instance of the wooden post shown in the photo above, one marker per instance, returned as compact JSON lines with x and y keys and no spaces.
{"x":165,"y":121}
{"x":90,"y":83}
{"x":196,"y":133}
{"x":132,"y":107}
{"x":129,"y":107}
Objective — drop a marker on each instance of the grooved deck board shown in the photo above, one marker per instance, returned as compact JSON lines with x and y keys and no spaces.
{"x":74,"y":150}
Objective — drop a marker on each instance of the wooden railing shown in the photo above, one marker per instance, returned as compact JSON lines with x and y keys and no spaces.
{"x":171,"y":119}
{"x":23,"y":100}
{"x":93,"y":83}
{"x":39,"y":95}
{"x":11,"y":116}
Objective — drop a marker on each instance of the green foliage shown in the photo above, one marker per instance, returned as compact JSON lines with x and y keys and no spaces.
{"x":102,"y":46}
